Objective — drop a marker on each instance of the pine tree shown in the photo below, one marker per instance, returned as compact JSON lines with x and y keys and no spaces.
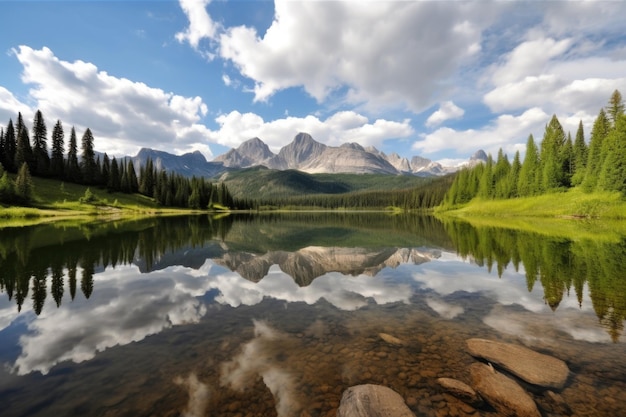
{"x":147,"y":179}
{"x":132,"y":177}
{"x":500,"y":175}
{"x":114,"y":183}
{"x":105,"y":171}
{"x":23,"y":152}
{"x":486,"y":186}
{"x":613,"y":174}
{"x":73,"y":172}
{"x":10,"y":146}
{"x":88,"y":163}
{"x":7,"y":189}
{"x":595,"y":156}
{"x":57,"y":162}
{"x":580,"y":156}
{"x":24,"y":184}
{"x":513,"y":177}
{"x":527,"y":184}
{"x":40,"y":148}
{"x":567,"y":158}
{"x":552,"y":175}
{"x":1,"y":144}
{"x":615,"y":108}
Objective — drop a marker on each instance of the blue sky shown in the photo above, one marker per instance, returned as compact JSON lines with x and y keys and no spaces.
{"x":435,"y":79}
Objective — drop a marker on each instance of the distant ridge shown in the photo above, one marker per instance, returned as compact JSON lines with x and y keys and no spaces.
{"x":303,"y":154}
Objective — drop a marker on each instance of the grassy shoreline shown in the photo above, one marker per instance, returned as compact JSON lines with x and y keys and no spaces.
{"x":571,"y":204}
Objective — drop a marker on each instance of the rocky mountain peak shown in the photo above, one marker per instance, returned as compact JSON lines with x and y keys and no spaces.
{"x":302,"y":148}
{"x":479,"y":155}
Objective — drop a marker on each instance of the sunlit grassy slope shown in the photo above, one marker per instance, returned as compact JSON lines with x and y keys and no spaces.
{"x":572,"y":214}
{"x":53,"y":199}
{"x":572,"y":203}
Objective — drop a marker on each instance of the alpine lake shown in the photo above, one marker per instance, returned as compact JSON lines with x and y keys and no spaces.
{"x":278,"y":314}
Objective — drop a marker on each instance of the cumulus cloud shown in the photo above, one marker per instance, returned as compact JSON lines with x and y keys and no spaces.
{"x":201,"y":26}
{"x":123,"y":115}
{"x":447,"y":110}
{"x":517,"y":60}
{"x":507,"y":132}
{"x":340,"y":127}
{"x":10,"y":106}
{"x":387,"y":54}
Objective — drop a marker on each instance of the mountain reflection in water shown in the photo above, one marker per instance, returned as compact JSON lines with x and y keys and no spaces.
{"x":235,"y":311}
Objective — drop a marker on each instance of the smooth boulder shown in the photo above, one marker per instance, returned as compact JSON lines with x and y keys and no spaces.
{"x":370,"y":400}
{"x":461,"y":390}
{"x":502,"y":393}
{"x":532,"y":367}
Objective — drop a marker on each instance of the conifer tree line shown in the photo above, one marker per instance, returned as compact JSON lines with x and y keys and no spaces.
{"x":20,"y":155}
{"x":558,"y":163}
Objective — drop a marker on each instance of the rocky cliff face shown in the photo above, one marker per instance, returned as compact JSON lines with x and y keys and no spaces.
{"x":304,"y":154}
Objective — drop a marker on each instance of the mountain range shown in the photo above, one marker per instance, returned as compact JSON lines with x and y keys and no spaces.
{"x":303,"y":154}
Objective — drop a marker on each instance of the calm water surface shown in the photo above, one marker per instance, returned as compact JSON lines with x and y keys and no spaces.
{"x":277,"y":315}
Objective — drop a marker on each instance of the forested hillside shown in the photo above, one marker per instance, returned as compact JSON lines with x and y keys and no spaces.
{"x":260,"y":187}
{"x":557,"y":164}
{"x":19,"y":155}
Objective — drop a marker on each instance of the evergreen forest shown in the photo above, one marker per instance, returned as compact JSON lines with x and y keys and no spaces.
{"x":23,"y":156}
{"x":557,"y":164}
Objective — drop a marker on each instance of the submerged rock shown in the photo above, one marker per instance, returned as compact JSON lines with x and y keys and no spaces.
{"x":392,"y":340}
{"x":372,"y":401}
{"x":533,"y":367}
{"x":502,"y":393}
{"x":461,"y":390}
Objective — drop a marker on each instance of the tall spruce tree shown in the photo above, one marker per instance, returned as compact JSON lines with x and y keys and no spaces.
{"x":486,"y":187}
{"x":73,"y":173}
{"x":600,"y":130}
{"x":615,"y":108}
{"x":613,"y":174}
{"x":580,"y":156}
{"x":24,"y":184}
{"x":500,"y":175}
{"x":567,"y":156}
{"x":513,"y":177}
{"x":105,"y":171}
{"x":147,"y":179}
{"x":528,"y":182}
{"x":10,"y":146}
{"x":23,"y":152}
{"x":551,"y":157}
{"x":114,"y":183}
{"x":88,"y":162}
{"x":1,"y":144}
{"x":41,"y":158}
{"x":57,"y":161}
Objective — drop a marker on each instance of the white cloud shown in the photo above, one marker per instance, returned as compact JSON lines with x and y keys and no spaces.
{"x":447,"y":110}
{"x":341,"y":127}
{"x":201,"y":26}
{"x":387,"y":53}
{"x":506,"y":132}
{"x":10,"y":106}
{"x":123,"y":115}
